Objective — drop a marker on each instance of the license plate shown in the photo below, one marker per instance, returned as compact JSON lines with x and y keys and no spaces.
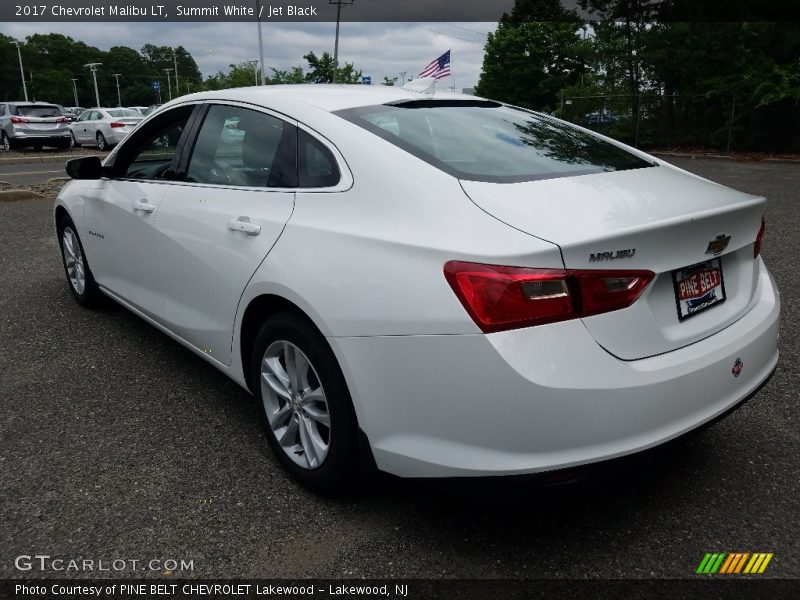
{"x":43,"y":126}
{"x":698,"y":287}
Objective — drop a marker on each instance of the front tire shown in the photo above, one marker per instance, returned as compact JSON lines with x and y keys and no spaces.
{"x":79,"y":276}
{"x":73,"y":143}
{"x":305,"y":406}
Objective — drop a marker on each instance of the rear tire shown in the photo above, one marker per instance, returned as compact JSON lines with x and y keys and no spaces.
{"x":79,"y":276}
{"x":322,"y":457}
{"x":101,"y":142}
{"x":73,"y":143}
{"x":7,"y":143}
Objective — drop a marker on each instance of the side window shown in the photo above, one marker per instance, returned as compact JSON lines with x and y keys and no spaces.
{"x":242,"y":147}
{"x":149,"y":153}
{"x":317,"y":166}
{"x":2,"y":110}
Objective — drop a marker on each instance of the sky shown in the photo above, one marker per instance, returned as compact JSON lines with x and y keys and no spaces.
{"x":377,"y":49}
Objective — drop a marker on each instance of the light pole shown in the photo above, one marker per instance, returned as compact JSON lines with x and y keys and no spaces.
{"x":339,"y":4}
{"x":403,"y":73}
{"x":21,"y":70}
{"x":75,"y":91}
{"x":254,"y":63}
{"x":93,"y":68}
{"x":169,"y":82}
{"x":175,"y":64}
{"x":119,"y":98}
{"x":260,"y":42}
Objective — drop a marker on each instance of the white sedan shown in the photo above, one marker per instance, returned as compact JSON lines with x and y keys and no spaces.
{"x":104,"y":127}
{"x":435,"y":285}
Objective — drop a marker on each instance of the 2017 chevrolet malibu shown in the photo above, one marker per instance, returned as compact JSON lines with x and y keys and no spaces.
{"x":441,"y":284}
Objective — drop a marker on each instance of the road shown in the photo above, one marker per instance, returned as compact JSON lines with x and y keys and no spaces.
{"x":30,"y":173}
{"x":117,"y":442}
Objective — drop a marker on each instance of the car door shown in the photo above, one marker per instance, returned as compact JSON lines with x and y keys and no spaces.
{"x":82,"y":131}
{"x":215,"y":228}
{"x":120,"y":211}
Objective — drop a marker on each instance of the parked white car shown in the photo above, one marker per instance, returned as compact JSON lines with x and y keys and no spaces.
{"x":104,"y":127}
{"x":435,"y":284}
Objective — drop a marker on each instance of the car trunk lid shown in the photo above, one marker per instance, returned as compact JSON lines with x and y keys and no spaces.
{"x":656,"y":218}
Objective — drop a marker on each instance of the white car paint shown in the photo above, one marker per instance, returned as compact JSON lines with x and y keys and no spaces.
{"x":364,"y":260}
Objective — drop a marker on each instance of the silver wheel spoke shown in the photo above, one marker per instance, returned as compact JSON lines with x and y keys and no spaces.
{"x":318,"y":415}
{"x":277,"y":385}
{"x":288,"y":436}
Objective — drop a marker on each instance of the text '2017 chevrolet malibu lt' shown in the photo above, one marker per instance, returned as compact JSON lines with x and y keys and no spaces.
{"x":436,"y":284}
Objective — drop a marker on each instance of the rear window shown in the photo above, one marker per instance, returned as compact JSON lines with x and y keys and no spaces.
{"x":38,"y":111}
{"x":486,"y":141}
{"x":120,"y":113}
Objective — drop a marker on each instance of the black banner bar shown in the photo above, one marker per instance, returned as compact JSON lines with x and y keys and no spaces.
{"x":719,"y":587}
{"x":389,"y":10}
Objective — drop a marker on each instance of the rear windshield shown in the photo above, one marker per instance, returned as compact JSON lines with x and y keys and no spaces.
{"x":120,"y":113}
{"x":38,"y":111}
{"x":486,"y":141}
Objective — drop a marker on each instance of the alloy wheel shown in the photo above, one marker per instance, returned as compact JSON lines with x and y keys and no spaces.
{"x":6,"y":143}
{"x":73,"y":260}
{"x":295,"y":404}
{"x":101,"y":142}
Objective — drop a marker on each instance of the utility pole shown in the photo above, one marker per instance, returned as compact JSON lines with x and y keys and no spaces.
{"x":403,"y":74}
{"x":253,"y":62}
{"x":175,"y":63}
{"x":339,"y":4}
{"x":260,"y":43}
{"x":93,"y":68}
{"x":169,"y":82}
{"x":75,"y":91}
{"x":21,"y":70}
{"x":119,"y":98}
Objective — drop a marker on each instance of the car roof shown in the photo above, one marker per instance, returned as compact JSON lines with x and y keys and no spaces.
{"x":327,"y":97}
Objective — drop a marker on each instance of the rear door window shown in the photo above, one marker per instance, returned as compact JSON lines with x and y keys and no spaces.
{"x":317,"y":166}
{"x":242,"y":147}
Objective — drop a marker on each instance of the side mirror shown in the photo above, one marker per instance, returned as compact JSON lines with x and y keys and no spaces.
{"x":88,"y":167}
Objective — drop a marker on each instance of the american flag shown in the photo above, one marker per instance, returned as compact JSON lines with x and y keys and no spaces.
{"x":438,"y":68}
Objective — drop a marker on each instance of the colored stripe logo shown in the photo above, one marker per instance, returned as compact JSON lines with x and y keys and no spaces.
{"x":732,"y":563}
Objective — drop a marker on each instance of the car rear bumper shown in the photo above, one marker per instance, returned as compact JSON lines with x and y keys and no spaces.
{"x":544,"y":398}
{"x":41,"y":136}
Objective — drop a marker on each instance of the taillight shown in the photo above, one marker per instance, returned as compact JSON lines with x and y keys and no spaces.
{"x":759,"y":239}
{"x":116,"y":124}
{"x":19,"y":120}
{"x":62,"y":120}
{"x":499,"y":297}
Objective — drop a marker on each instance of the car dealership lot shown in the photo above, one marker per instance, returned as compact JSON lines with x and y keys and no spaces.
{"x":118,"y":443}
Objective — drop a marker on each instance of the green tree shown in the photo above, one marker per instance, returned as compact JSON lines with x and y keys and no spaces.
{"x":533,"y":55}
{"x":320,"y":70}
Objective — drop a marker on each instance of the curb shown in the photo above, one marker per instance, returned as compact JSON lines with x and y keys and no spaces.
{"x":725,"y":157}
{"x":15,"y":195}
{"x":21,"y":160}
{"x":58,"y":179}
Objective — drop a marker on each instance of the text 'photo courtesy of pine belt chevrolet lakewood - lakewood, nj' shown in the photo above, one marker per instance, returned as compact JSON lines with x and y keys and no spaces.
{"x":516,"y":295}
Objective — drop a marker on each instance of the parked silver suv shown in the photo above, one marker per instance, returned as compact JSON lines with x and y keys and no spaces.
{"x":34,"y":124}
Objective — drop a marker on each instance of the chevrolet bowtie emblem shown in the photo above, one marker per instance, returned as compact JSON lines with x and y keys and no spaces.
{"x":718,"y":245}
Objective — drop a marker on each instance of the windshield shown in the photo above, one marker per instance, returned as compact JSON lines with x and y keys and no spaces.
{"x":485,"y":141}
{"x":38,"y":111}
{"x":119,"y":113}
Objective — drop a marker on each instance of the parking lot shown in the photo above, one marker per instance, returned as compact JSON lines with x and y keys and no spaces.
{"x":119,"y":443}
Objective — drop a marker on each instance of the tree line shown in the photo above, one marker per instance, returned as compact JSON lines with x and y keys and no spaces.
{"x":52,"y":61}
{"x":642,"y":77}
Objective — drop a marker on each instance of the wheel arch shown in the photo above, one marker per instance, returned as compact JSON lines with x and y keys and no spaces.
{"x":258,"y":310}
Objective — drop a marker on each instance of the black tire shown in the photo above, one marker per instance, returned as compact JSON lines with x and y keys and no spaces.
{"x":339,"y":472}
{"x":90,"y":296}
{"x":102,"y":144}
{"x":73,"y":143}
{"x":8,"y":143}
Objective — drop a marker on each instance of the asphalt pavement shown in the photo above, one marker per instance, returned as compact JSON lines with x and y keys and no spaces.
{"x":115,"y":442}
{"x":30,"y":173}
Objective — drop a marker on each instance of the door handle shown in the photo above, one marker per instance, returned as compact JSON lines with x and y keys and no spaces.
{"x":143,"y":206}
{"x":243,"y":224}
